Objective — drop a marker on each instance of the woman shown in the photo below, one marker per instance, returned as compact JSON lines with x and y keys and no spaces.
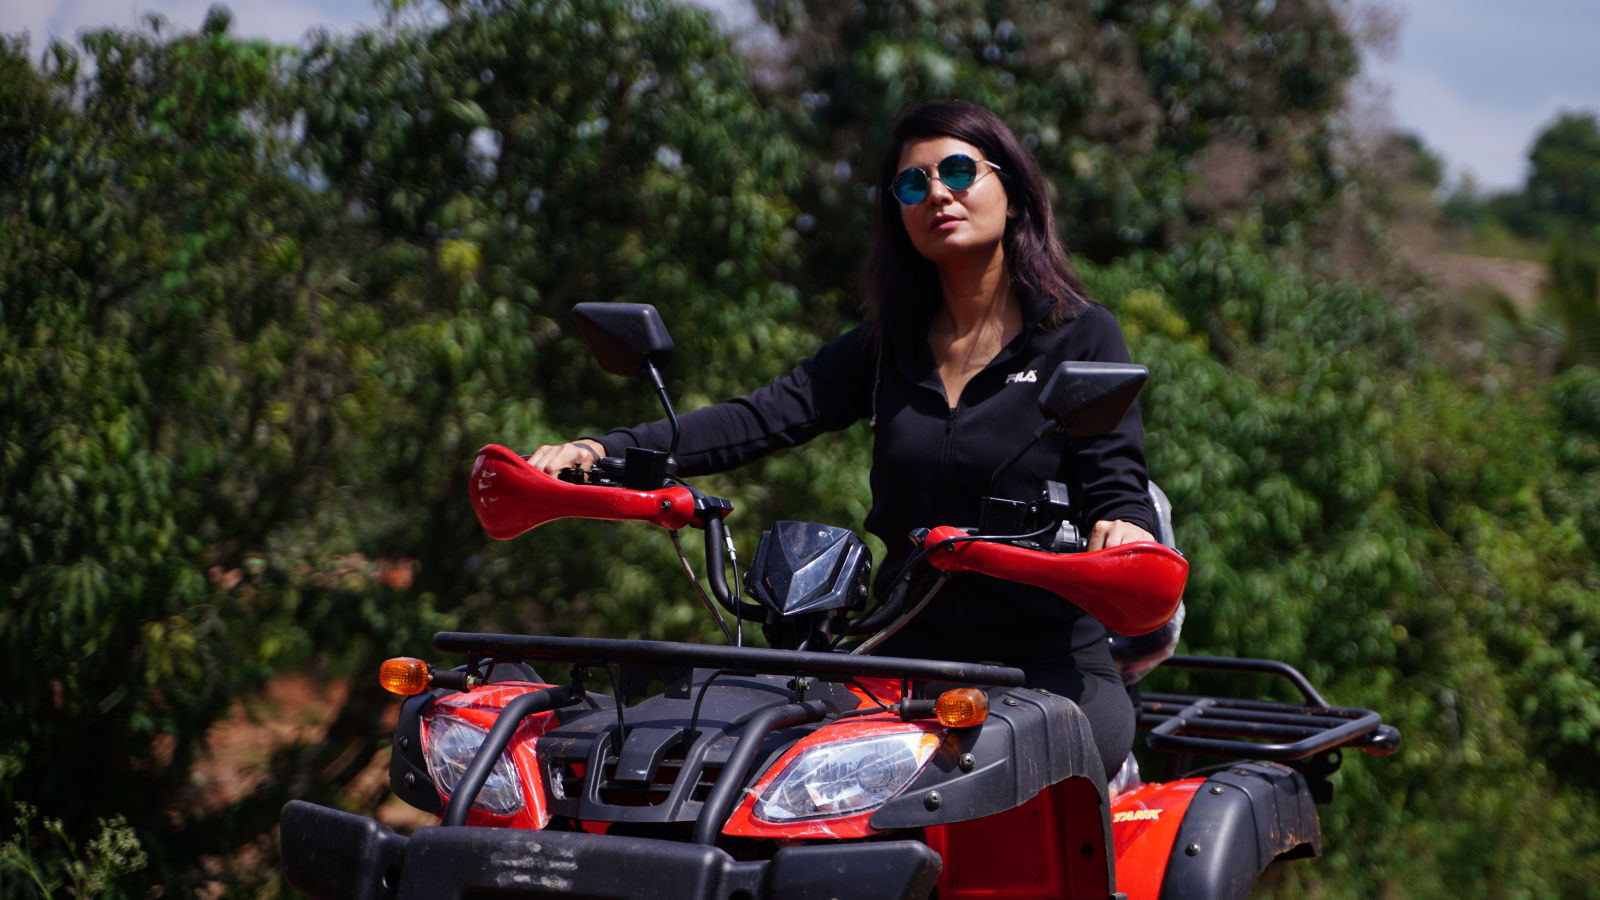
{"x":971,"y":303}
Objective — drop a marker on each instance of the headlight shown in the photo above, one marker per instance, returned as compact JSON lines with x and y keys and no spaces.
{"x":451,"y":745}
{"x":846,"y":778}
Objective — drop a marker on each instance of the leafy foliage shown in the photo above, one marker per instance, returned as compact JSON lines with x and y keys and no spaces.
{"x":1568,"y":317}
{"x":1558,"y":213}
{"x":1148,"y":118}
{"x":253,"y":336}
{"x":92,"y":872}
{"x":159,"y":409}
{"x":1564,"y":175}
{"x":1342,"y":506}
{"x":488,"y":173}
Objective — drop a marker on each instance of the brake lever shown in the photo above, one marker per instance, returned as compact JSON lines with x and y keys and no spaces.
{"x":605,"y":472}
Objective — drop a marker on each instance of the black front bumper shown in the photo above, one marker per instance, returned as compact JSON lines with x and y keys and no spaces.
{"x":329,"y":854}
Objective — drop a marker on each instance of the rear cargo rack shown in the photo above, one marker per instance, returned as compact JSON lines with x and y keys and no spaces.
{"x":1237,"y":728}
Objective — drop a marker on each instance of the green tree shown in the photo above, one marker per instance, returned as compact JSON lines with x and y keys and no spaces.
{"x":1568,"y":317}
{"x":155,"y":407}
{"x":1564,"y":178}
{"x":257,"y":315}
{"x":1150,"y":119}
{"x":492,"y":170}
{"x":1344,"y":508}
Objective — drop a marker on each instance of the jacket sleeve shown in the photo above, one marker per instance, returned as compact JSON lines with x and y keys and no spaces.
{"x":826,"y":392}
{"x":1109,"y":470}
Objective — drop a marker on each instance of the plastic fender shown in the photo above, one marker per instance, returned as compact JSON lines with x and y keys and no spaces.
{"x":1236,"y":825}
{"x":480,"y":707}
{"x":1052,"y":847}
{"x":511,"y":497}
{"x":744,"y":823}
{"x":1133,"y":588}
{"x":408,"y":767}
{"x":1144,"y":824}
{"x":1031,"y":740}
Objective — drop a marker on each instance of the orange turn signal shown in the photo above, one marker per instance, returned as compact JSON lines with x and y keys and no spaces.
{"x":961,"y":707}
{"x":404,"y":675}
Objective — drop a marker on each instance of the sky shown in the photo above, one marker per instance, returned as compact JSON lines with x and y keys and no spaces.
{"x":1479,"y":79}
{"x":1476,"y":79}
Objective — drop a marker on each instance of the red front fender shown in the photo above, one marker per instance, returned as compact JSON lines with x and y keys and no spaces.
{"x":1133,"y":588}
{"x":510,"y":497}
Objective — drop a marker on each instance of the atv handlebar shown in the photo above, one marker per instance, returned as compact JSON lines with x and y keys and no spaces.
{"x":1133,"y":588}
{"x":511,"y":497}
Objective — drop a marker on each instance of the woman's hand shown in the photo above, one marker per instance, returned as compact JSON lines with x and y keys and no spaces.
{"x":552,"y":458}
{"x":1115,"y":533}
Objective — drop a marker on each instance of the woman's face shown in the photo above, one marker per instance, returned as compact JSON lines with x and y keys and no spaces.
{"x":949,"y":224}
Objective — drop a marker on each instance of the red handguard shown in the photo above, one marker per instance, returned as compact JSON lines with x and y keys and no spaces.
{"x":1133,"y":588}
{"x":510,"y":497}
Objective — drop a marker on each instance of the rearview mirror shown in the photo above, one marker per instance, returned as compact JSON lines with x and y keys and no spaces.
{"x":630,"y":340}
{"x":1090,"y":398}
{"x":625,"y":338}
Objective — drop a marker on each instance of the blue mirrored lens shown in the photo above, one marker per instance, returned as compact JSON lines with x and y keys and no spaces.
{"x":910,"y":186}
{"x":958,"y":172}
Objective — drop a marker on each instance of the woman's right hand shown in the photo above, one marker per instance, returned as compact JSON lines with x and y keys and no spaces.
{"x":580,"y":454}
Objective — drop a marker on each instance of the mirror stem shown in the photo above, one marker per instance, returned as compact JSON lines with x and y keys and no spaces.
{"x":654,"y":375}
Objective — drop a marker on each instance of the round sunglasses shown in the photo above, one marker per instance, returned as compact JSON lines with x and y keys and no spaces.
{"x":958,"y":172}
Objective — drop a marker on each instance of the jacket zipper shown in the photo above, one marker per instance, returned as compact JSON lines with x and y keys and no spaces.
{"x":947,"y":463}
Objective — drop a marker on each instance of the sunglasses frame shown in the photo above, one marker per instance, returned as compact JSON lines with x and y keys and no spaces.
{"x":929,"y":173}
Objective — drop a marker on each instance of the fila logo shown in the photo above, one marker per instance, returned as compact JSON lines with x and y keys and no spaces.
{"x":1029,"y":377}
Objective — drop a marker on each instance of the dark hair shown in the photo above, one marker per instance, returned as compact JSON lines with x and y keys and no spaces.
{"x":900,"y":287}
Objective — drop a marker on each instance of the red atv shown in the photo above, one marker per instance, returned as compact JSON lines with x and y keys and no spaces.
{"x":738,"y":773}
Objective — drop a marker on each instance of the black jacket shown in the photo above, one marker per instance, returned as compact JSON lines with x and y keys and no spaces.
{"x":931,"y":464}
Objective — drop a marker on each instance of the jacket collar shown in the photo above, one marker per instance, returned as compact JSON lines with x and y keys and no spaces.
{"x":1035,"y":308}
{"x":909,"y":350}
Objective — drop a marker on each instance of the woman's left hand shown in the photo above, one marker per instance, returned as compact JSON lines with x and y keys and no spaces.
{"x":1116,"y":533}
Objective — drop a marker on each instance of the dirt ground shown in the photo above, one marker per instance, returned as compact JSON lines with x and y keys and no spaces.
{"x":1420,"y":244}
{"x":1457,"y":274}
{"x":293,"y":708}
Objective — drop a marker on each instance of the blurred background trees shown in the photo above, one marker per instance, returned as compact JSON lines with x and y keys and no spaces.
{"x":259,"y":307}
{"x":1553,"y":219}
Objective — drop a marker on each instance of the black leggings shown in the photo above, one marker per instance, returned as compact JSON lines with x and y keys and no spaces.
{"x":1100,"y":694}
